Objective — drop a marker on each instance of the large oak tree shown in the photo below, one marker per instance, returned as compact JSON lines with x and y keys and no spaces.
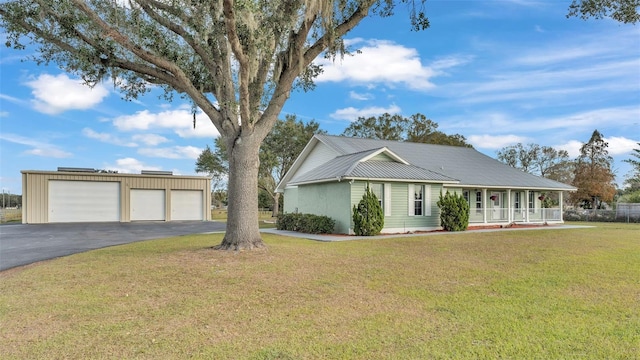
{"x":236,"y":60}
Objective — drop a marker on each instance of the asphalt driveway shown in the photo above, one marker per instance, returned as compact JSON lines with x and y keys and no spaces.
{"x":25,"y":244}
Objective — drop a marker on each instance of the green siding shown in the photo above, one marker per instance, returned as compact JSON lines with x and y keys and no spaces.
{"x":328,"y":199}
{"x":399,"y":218}
{"x":291,"y":202}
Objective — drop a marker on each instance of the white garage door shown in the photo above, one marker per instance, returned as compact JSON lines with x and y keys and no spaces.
{"x":147,"y":204}
{"x":186,"y":205}
{"x":84,"y":201}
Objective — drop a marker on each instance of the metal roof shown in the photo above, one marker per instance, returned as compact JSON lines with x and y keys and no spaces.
{"x":427,"y":162}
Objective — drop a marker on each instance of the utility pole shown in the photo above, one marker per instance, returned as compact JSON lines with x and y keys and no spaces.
{"x":3,"y":198}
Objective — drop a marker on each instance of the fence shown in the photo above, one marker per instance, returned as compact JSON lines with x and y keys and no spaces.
{"x":626,"y":214}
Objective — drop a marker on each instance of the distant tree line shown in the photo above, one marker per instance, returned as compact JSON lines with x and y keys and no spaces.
{"x":591,"y":172}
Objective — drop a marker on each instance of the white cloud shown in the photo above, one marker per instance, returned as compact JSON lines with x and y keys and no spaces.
{"x":4,"y":114}
{"x":503,"y":122}
{"x":52,"y":152}
{"x":107,"y":138}
{"x":620,"y":145}
{"x":130,"y":165}
{"x":495,"y":142}
{"x":179,"y":120}
{"x":175,"y":152}
{"x":353,"y":114}
{"x":572,"y":147}
{"x":379,"y":61}
{"x":38,"y":147}
{"x":360,"y":96}
{"x":56,"y":94}
{"x":150,"y":139}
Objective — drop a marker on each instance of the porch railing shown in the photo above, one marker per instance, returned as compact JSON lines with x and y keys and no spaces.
{"x":497,"y":215}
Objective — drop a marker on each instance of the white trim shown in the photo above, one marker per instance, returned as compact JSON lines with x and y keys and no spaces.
{"x":426,"y":200}
{"x":411,"y":192}
{"x":386,"y":194}
{"x":385,"y":150}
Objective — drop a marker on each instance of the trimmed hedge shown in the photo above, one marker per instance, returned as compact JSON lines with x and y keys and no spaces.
{"x":368,"y":217}
{"x":306,"y":223}
{"x":454,"y":212}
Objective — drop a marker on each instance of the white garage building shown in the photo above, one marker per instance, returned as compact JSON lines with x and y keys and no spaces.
{"x":86,"y":195}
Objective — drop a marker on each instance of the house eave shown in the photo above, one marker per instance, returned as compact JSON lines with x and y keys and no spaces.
{"x":352,"y":178}
{"x":500,"y":187}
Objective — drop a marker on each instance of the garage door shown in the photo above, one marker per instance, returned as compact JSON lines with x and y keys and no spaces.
{"x":186,"y":205}
{"x":147,"y":205}
{"x":84,"y":201}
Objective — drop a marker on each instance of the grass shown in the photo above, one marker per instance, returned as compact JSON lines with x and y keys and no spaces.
{"x":549,"y":294}
{"x":10,"y":215}
{"x":265,"y":220}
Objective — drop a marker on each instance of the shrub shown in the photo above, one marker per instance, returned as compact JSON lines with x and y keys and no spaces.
{"x":306,"y":223}
{"x":454,"y":212}
{"x":368,"y":217}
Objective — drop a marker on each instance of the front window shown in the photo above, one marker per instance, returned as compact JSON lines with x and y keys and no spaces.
{"x":465,"y":194}
{"x":418,"y":203}
{"x":516,"y":203}
{"x":532,"y":203}
{"x":478,"y":202}
{"x":378,"y":191}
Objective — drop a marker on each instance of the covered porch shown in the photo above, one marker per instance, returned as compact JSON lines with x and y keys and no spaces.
{"x":519,"y":206}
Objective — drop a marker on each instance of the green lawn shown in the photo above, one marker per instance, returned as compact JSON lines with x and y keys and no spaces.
{"x":549,"y":294}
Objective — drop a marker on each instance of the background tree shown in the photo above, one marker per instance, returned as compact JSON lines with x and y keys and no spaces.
{"x":633,"y":180}
{"x":593,"y":175}
{"x":236,"y":61}
{"x":625,"y":11}
{"x":539,"y":160}
{"x":211,"y":163}
{"x":417,"y":128}
{"x":280,"y":150}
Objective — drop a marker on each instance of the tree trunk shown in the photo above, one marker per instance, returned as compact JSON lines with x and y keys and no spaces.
{"x":243,"y":232}
{"x":276,"y":205}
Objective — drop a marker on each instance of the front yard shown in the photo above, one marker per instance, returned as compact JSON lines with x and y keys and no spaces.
{"x":544,"y":294}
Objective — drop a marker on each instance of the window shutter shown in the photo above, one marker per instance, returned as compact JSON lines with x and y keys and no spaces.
{"x":427,"y":200}
{"x":387,"y":199}
{"x":412,"y":195}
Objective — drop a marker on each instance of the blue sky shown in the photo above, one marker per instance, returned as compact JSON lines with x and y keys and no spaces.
{"x":498,"y":72}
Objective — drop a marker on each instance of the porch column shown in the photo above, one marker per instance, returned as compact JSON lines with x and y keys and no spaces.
{"x":509,"y":214}
{"x":526,"y":206}
{"x":484,"y":205}
{"x":560,"y":202}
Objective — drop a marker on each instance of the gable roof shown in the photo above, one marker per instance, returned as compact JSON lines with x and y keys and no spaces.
{"x":361,"y":166}
{"x":423,"y":162}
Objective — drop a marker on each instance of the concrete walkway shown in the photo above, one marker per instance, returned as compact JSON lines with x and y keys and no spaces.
{"x":330,"y":238}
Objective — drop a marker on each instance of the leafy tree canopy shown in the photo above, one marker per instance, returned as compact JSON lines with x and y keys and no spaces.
{"x":593,"y":175}
{"x":539,"y":160}
{"x":624,"y":11}
{"x":633,"y":180}
{"x":416,"y":128}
